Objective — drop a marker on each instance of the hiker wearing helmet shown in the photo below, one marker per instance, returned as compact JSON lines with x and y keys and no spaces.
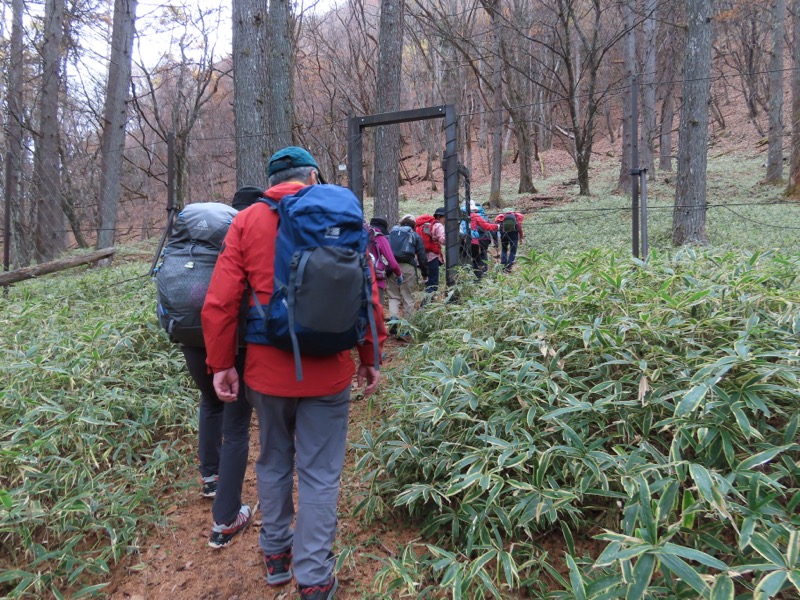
{"x":302,"y":400}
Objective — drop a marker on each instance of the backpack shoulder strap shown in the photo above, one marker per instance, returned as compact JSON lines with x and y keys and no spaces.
{"x":273,"y":204}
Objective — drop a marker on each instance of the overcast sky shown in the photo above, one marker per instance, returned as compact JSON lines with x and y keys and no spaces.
{"x":153,"y":43}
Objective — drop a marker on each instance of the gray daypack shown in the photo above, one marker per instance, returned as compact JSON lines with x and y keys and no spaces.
{"x":401,"y":240}
{"x":187,"y":262}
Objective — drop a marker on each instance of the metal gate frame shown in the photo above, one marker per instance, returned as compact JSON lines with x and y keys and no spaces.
{"x":355,"y":173}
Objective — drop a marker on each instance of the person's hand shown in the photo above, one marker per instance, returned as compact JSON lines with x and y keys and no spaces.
{"x":400,"y":280}
{"x":368,"y":375}
{"x":226,"y":384}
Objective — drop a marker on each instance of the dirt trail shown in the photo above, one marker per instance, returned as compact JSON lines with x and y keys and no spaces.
{"x":176,"y":564}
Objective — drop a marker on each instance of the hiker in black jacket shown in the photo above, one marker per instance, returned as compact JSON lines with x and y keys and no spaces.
{"x":409,"y":251}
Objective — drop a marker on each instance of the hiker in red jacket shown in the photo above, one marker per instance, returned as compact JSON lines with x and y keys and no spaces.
{"x":302,"y":424}
{"x":431,"y":229}
{"x":510,"y":223}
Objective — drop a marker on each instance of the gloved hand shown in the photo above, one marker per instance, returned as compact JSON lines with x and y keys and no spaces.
{"x":400,"y":280}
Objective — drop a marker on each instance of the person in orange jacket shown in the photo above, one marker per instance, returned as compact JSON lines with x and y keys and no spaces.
{"x":302,"y":424}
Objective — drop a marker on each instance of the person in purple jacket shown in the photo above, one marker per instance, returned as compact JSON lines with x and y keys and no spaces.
{"x":381,"y":252}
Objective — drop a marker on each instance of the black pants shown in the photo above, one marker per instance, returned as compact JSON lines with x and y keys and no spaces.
{"x":480,"y":257}
{"x":223,"y":434}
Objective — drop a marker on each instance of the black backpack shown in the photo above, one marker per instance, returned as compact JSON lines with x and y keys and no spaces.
{"x":401,"y":239}
{"x":187,"y":263}
{"x":509,"y":222}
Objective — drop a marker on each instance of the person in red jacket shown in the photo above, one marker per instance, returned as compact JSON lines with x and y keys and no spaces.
{"x":510,"y":223}
{"x":302,"y":424}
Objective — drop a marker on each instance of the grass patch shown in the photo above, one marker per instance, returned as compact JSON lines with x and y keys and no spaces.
{"x":648,"y":406}
{"x":94,"y":419}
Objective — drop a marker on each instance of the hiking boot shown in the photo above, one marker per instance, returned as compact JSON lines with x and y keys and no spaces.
{"x":319,"y":592}
{"x":279,"y":567}
{"x":222,"y":535}
{"x":209,"y":489}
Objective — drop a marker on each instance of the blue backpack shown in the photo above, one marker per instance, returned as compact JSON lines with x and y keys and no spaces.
{"x":321,"y":303}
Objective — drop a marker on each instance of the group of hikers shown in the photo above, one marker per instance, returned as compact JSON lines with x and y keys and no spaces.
{"x":477,"y":234}
{"x":267,"y":298}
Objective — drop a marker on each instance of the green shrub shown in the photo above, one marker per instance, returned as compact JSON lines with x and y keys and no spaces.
{"x":93,"y":426}
{"x":650,"y":405}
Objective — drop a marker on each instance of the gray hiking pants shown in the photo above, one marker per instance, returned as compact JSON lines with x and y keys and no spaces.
{"x":311,"y":435}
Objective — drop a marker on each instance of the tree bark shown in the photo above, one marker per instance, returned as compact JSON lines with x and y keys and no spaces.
{"x":793,"y":189}
{"x":14,"y":194}
{"x":250,"y":91}
{"x":387,"y":137}
{"x":669,"y":71}
{"x":50,"y":222}
{"x":495,"y":201}
{"x":280,"y":113}
{"x":775,"y":137}
{"x":624,"y":183}
{"x":647,"y":143}
{"x":115,"y":118}
{"x":516,"y":53}
{"x":689,"y":214}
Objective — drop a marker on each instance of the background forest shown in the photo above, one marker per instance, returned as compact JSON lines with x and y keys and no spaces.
{"x":102,"y":120}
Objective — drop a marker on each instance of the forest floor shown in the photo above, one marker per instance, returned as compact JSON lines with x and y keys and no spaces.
{"x":175,"y":562}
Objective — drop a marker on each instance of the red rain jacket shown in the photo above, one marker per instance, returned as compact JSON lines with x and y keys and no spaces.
{"x":248,"y":255}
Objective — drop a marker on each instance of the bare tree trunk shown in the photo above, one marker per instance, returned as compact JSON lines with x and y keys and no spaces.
{"x":516,"y":52}
{"x":669,"y":72}
{"x":114,"y":119}
{"x":492,"y":7}
{"x":387,"y":138}
{"x":624,"y":181}
{"x":647,"y":145}
{"x":250,"y":91}
{"x":281,"y":49}
{"x":793,"y":189}
{"x":689,"y":215}
{"x":14,"y":194}
{"x":665,"y":143}
{"x":50,"y":223}
{"x":775,"y":152}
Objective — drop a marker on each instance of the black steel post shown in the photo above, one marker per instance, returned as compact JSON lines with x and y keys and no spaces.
{"x":355,"y":127}
{"x":451,"y":191}
{"x":645,"y":244}
{"x":635,"y":164}
{"x":355,"y":148}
